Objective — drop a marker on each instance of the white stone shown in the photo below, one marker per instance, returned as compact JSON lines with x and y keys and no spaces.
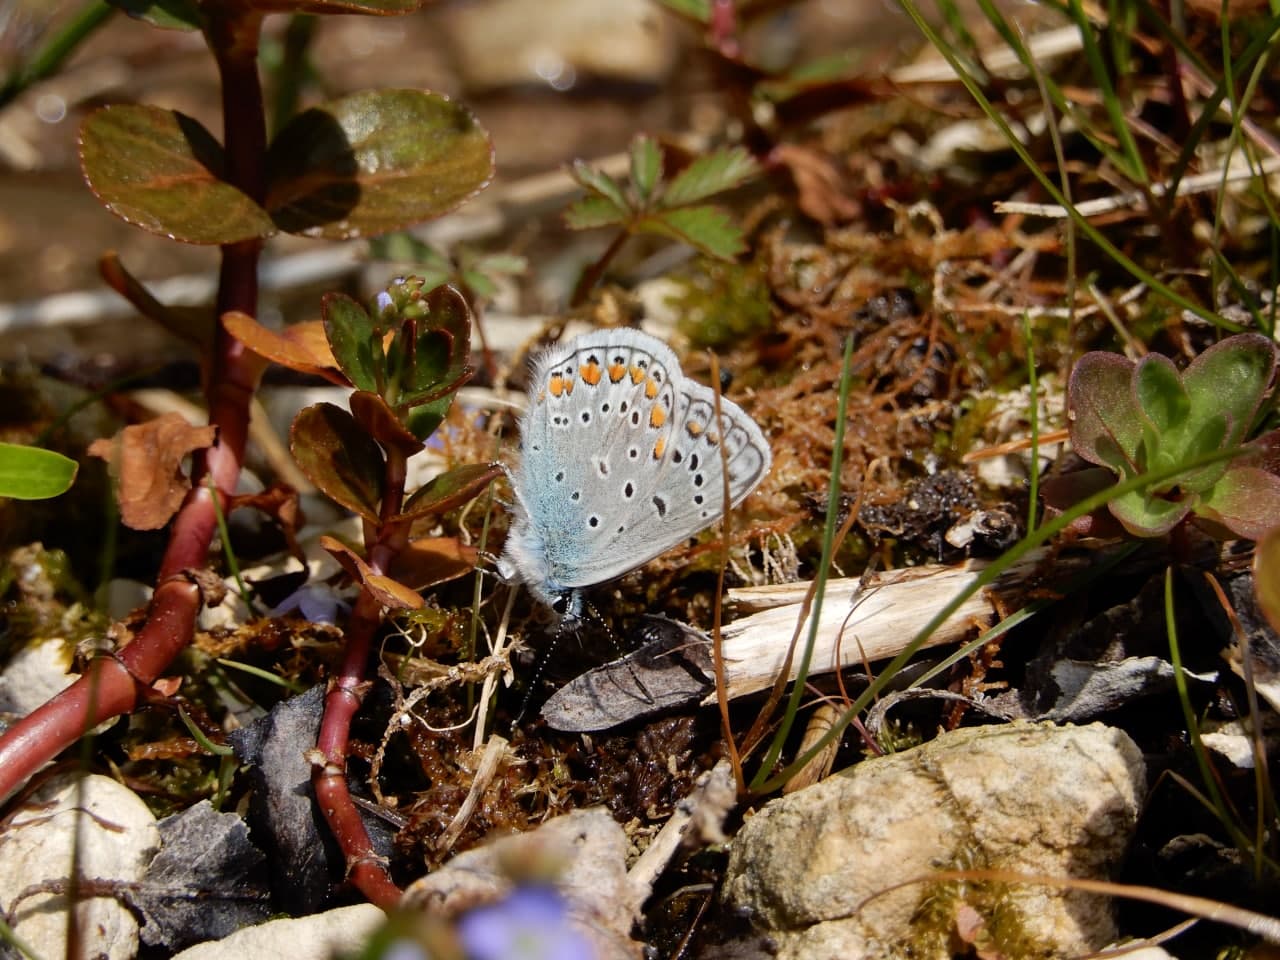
{"x":317,"y":937}
{"x":34,"y":674}
{"x":815,"y":868}
{"x":117,"y":838}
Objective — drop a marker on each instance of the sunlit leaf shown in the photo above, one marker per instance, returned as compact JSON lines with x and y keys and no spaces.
{"x":1104,"y":422}
{"x":162,"y":171}
{"x":711,"y":174}
{"x":593,"y":211}
{"x":452,"y":489}
{"x":384,"y":589}
{"x":375,"y":162}
{"x":339,"y":457}
{"x":301,"y":346}
{"x":1246,"y":501}
{"x":352,"y":339}
{"x":31,"y":473}
{"x":709,"y":229}
{"x":600,"y":183}
{"x":646,"y":165}
{"x":425,"y":419}
{"x":433,"y":560}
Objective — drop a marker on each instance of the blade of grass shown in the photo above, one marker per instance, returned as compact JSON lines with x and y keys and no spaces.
{"x":292,"y":686}
{"x":232,"y":563}
{"x":828,"y":541}
{"x":1095,"y":235}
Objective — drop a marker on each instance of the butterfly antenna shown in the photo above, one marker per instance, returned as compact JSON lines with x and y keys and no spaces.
{"x":540,"y":665}
{"x":618,"y":650}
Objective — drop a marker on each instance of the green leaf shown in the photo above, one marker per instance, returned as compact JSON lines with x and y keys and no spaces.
{"x":339,"y":457}
{"x":646,"y":166}
{"x":501,"y":264}
{"x":710,"y":229}
{"x":593,"y":211}
{"x":1246,"y":501}
{"x":599,"y":183}
{"x":162,"y":171}
{"x":1104,"y":421}
{"x":375,"y":162}
{"x":353,"y":340}
{"x":1144,"y":515}
{"x":710,"y":174}
{"x":1231,"y":377}
{"x":32,"y":473}
{"x":451,"y":489}
{"x":699,"y":10}
{"x":441,"y":341}
{"x":425,"y":419}
{"x":1160,"y":393}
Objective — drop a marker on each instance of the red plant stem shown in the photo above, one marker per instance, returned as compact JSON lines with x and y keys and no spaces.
{"x":365,"y":868}
{"x":113,"y":684}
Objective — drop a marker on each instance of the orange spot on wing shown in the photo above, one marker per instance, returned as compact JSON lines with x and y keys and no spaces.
{"x":568,"y":385}
{"x":657,"y":417}
{"x":590,"y":373}
{"x":651,"y":388}
{"x":694,"y":428}
{"x":659,"y":448}
{"x":617,"y":371}
{"x":636,"y":374}
{"x":556,"y":385}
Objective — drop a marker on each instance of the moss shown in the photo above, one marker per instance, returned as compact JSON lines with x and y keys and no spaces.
{"x":723,"y":303}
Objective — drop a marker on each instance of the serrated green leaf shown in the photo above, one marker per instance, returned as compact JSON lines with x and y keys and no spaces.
{"x":699,"y":10}
{"x":353,"y":340}
{"x":646,"y":166}
{"x":600,"y":183}
{"x":709,"y":229}
{"x":32,"y":473}
{"x":710,"y":174}
{"x":594,"y":211}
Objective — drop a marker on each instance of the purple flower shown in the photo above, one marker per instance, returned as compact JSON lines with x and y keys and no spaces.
{"x":532,"y":923}
{"x":315,"y":601}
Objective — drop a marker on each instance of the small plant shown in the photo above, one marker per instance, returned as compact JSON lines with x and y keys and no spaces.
{"x":649,"y":203}
{"x":1133,"y":418}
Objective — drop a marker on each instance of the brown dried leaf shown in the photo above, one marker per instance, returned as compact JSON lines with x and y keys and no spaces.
{"x":432,"y":560}
{"x":386,"y":591}
{"x":300,"y":346}
{"x":146,"y":460}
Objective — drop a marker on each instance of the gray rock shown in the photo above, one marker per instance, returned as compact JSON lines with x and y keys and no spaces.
{"x":814,"y":869}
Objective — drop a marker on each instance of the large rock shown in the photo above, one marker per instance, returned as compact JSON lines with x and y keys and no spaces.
{"x":1035,"y":799}
{"x":117,"y":838}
